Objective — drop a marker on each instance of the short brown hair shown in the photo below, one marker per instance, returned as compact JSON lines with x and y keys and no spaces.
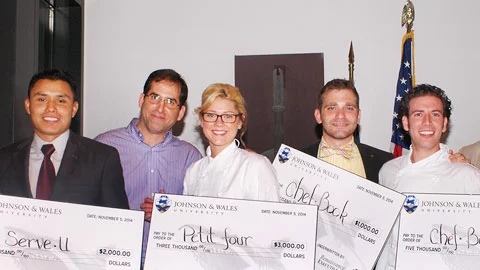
{"x":337,"y":84}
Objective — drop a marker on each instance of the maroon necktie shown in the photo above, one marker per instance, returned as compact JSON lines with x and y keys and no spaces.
{"x":46,"y":177}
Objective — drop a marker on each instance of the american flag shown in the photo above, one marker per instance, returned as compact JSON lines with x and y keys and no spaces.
{"x":406,"y":81}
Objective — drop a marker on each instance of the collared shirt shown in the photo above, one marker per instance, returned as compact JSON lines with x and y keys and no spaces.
{"x":233,"y":173}
{"x":353,"y":165}
{"x":434,"y":174}
{"x":149,"y":169}
{"x":36,"y":157}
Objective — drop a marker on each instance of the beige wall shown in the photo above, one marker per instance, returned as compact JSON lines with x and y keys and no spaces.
{"x":126,"y":40}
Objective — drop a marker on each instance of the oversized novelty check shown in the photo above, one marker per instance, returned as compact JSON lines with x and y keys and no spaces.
{"x":439,"y":231}
{"x":38,"y":234}
{"x":211,"y":233}
{"x":355,"y":215}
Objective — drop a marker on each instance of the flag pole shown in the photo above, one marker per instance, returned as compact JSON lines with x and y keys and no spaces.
{"x":351,"y":60}
{"x":406,"y":81}
{"x":351,"y":68}
{"x":408,"y":16}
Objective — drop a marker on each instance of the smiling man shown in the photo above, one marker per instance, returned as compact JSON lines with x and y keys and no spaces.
{"x":153,"y":159}
{"x":339,"y":114}
{"x":425,"y":112}
{"x":55,"y":164}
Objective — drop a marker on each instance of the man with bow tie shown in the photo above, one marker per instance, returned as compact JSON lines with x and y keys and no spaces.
{"x":339,"y":114}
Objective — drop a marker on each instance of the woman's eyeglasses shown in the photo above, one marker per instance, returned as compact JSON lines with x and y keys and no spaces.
{"x":226,"y":118}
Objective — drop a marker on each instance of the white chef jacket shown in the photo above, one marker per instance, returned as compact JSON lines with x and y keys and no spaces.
{"x":233,"y":173}
{"x":434,"y":174}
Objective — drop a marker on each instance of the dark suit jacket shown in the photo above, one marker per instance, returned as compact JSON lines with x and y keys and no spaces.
{"x":90,"y":173}
{"x":373,"y":158}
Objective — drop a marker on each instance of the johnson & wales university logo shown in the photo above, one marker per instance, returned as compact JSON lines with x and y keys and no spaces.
{"x":163,"y":204}
{"x":285,"y":155}
{"x":410,"y":204}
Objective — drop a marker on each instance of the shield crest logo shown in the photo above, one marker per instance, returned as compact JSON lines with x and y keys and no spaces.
{"x":163,"y":204}
{"x":285,"y":155}
{"x":411,"y":204}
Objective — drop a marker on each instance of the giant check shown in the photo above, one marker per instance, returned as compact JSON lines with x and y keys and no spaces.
{"x":441,"y":231}
{"x":38,"y":234}
{"x":355,"y":215}
{"x":216,"y":234}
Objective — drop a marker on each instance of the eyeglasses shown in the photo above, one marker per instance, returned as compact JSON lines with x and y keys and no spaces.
{"x":170,"y":103}
{"x":226,"y":118}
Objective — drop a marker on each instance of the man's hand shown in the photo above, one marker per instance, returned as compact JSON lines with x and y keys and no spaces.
{"x":147,"y":207}
{"x":457,"y":157}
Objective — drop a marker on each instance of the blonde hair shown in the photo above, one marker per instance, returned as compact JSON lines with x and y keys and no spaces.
{"x":228,"y":92}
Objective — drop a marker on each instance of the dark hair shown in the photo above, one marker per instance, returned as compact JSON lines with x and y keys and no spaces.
{"x":53,"y":75}
{"x":424,"y":90}
{"x":167,"y":75}
{"x":337,"y":84}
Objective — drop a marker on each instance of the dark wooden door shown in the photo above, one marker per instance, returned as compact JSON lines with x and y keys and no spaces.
{"x":303,"y":78}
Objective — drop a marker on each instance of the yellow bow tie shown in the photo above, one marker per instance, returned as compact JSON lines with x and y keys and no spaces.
{"x":346,"y":151}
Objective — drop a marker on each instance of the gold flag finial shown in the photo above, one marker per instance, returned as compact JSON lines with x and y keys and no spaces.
{"x":351,"y":60}
{"x":408,"y":15}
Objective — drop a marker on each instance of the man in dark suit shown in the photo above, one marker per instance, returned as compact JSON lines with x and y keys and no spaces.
{"x":339,"y":114}
{"x":84,"y":171}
